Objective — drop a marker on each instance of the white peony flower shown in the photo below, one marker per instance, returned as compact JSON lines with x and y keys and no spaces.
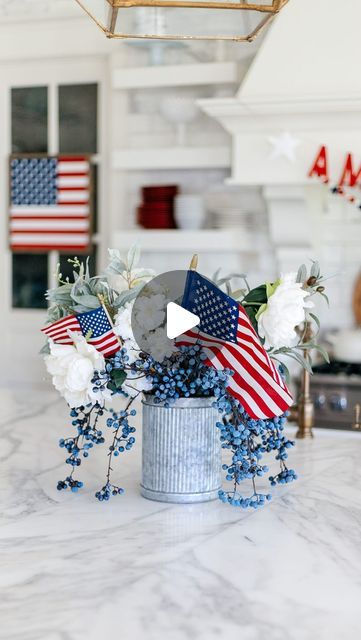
{"x":72,"y":368}
{"x":132,"y":350}
{"x":284,"y":311}
{"x":123,"y":322}
{"x":136,"y":382}
{"x":159,"y":345}
{"x":119,"y":282}
{"x":150,"y":311}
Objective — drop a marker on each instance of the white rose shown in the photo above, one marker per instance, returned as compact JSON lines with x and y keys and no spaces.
{"x":136,"y":382}
{"x":150,"y":311}
{"x":132,"y":350}
{"x":72,"y":368}
{"x":123,"y":322}
{"x":285,"y":310}
{"x":159,"y":345}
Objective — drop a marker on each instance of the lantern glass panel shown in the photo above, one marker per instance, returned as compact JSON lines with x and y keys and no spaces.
{"x":226,"y":20}
{"x":178,"y":21}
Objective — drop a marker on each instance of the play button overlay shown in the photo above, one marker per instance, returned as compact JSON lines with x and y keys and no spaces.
{"x":179,"y":320}
{"x":158,"y":316}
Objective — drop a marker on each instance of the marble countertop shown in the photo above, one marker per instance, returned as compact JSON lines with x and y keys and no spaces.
{"x":74,"y":569}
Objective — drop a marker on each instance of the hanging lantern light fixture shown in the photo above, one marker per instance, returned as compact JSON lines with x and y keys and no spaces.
{"x":182,"y":19}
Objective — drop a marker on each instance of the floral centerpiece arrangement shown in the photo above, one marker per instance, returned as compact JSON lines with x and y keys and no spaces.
{"x":97,"y":366}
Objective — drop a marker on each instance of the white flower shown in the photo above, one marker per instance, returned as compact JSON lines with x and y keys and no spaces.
{"x":159,"y":345}
{"x":284,"y":311}
{"x":150,"y":312}
{"x":132,"y":350}
{"x":136,"y":382}
{"x":119,"y":282}
{"x":72,"y":368}
{"x":123,"y":322}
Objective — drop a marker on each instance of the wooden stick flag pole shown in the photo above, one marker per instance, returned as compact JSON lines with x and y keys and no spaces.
{"x":194,"y":263}
{"x":102,"y":302}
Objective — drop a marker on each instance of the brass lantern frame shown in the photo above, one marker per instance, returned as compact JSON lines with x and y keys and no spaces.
{"x":267,"y":13}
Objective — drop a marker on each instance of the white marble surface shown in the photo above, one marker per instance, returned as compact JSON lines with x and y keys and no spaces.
{"x":74,"y":569}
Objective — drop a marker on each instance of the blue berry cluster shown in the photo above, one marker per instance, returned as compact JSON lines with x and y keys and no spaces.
{"x":283,"y":477}
{"x":248,"y":440}
{"x":85,"y":419}
{"x":107,"y":491}
{"x":186,"y":374}
{"x":69,"y":483}
{"x":122,"y":441}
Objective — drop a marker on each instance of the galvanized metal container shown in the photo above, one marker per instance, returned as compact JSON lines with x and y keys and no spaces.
{"x":181,"y":459}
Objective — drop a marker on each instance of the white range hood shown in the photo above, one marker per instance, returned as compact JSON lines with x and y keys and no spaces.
{"x":303,"y":83}
{"x":304,"y":80}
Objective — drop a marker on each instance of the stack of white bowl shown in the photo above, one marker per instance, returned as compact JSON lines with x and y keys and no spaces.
{"x":189,"y":211}
{"x":230,"y":217}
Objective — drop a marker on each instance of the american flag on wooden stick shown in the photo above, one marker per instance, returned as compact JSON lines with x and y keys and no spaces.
{"x":50,"y":203}
{"x":95,"y":325}
{"x":230,"y":342}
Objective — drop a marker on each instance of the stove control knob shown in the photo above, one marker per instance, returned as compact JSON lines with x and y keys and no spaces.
{"x":338,"y":402}
{"x":320,"y":401}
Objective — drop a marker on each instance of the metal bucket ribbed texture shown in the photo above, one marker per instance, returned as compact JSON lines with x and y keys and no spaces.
{"x":181,"y":459}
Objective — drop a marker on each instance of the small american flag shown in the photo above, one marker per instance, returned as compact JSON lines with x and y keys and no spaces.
{"x":94,"y":323}
{"x":49,"y":203}
{"x":230,"y":342}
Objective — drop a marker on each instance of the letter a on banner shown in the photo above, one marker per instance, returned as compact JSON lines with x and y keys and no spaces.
{"x":320,"y":166}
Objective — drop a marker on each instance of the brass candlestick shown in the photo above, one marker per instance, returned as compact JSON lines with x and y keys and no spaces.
{"x":304,"y":411}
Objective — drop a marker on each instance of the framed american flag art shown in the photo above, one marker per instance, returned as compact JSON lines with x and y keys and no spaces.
{"x":50,"y":203}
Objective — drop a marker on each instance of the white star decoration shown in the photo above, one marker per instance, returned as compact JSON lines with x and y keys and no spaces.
{"x":284,"y":146}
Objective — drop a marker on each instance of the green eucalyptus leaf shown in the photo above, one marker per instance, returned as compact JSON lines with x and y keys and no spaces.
{"x":325,"y":297}
{"x":80,"y":308}
{"x":133,"y":257}
{"x":302,"y":273}
{"x":215,"y":276}
{"x":315,"y":269}
{"x":88,"y":301}
{"x":127,"y":296}
{"x":144,"y":273}
{"x":285,"y":369}
{"x":316,"y":320}
{"x":45,"y":350}
{"x":322,"y":351}
{"x":302,"y":361}
{"x":238,"y":294}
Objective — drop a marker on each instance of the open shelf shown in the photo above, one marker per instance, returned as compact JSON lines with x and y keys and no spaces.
{"x":175,"y":75}
{"x":172,"y":158}
{"x":180,"y":241}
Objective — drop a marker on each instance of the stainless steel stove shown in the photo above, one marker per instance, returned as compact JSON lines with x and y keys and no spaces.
{"x":336,"y":392}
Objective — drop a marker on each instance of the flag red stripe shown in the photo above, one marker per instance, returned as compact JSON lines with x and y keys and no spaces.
{"x":256,"y":406}
{"x":40,"y":232}
{"x":65,"y":320}
{"x":73,"y":159}
{"x":73,"y":189}
{"x":71,"y":203}
{"x":268,"y":382}
{"x":247,"y":371}
{"x":62,"y":216}
{"x":48,"y":247}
